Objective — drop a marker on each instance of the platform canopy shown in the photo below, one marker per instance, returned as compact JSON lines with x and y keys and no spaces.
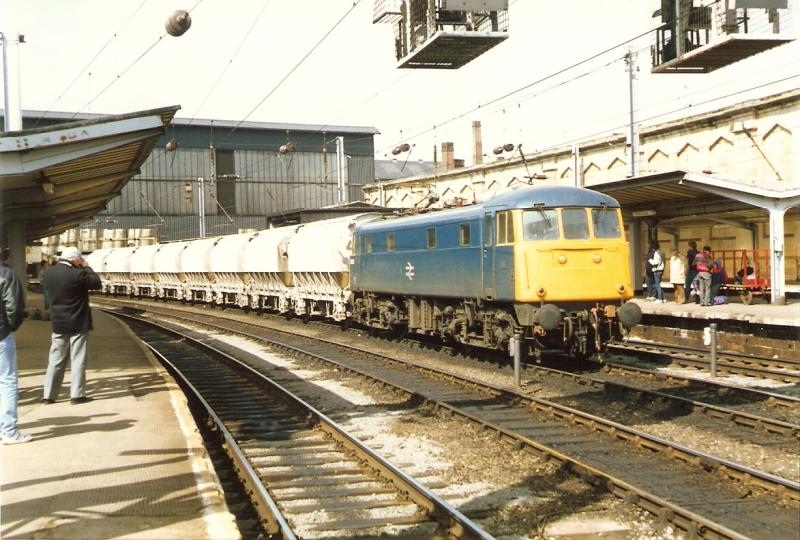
{"x":53,"y":178}
{"x":681,"y":198}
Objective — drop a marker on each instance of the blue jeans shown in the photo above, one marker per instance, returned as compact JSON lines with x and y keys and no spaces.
{"x":8,"y":385}
{"x":659,"y":294}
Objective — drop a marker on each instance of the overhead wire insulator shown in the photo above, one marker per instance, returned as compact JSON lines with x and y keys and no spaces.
{"x":396,"y":150}
{"x":172,"y":145}
{"x":286,"y":148}
{"x":508,"y":147}
{"x":498,"y":150}
{"x":178,"y":23}
{"x":405,"y":147}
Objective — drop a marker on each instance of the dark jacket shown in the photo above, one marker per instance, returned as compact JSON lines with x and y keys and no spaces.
{"x":13,"y":301}
{"x":67,"y":288}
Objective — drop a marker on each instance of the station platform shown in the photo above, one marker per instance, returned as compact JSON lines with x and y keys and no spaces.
{"x":128,"y":464}
{"x":759,"y":312}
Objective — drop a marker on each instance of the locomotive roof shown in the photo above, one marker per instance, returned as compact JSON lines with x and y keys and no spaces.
{"x":528,"y":197}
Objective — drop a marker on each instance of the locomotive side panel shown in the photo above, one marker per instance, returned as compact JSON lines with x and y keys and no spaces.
{"x":434,"y":257}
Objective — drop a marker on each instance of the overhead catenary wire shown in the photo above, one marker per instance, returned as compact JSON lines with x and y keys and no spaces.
{"x":296,"y":66}
{"x":86,"y":67}
{"x":230,"y":61}
{"x":128,"y":68}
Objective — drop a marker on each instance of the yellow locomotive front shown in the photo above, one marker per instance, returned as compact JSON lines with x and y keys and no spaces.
{"x":573,"y":265}
{"x":572,"y":255}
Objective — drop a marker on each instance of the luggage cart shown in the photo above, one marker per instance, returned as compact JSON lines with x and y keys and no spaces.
{"x":750,"y":273}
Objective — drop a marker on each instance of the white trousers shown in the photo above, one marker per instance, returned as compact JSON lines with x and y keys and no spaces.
{"x":62,"y":347}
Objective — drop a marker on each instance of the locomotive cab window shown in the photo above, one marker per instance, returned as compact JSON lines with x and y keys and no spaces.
{"x":576,"y":223}
{"x":540,"y":224}
{"x":431,"y":238}
{"x":390,"y":242}
{"x":367,"y":244}
{"x":605,"y":223}
{"x":463,"y":234}
{"x":505,"y":228}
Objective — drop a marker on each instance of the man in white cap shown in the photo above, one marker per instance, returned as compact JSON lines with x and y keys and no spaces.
{"x":67,"y":285}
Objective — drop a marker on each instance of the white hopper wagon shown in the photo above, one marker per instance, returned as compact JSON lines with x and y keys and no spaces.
{"x":143,"y":276}
{"x":167,"y":269}
{"x":195,"y":269}
{"x":319,"y":262}
{"x":230,"y":280}
{"x":97,"y":262}
{"x":266,"y":262}
{"x":117,"y":272}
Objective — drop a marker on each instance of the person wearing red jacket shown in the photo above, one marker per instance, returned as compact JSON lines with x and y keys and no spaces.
{"x":702,"y":264}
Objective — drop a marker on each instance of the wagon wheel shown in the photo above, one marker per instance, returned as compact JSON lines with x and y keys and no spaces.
{"x":747,"y":297}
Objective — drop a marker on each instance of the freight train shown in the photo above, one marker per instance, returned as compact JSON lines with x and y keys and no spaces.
{"x":547,"y":265}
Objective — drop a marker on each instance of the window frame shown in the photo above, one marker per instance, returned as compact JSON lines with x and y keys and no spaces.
{"x":572,"y":210}
{"x":390,"y":244}
{"x":430,"y":237}
{"x":552,"y":215}
{"x":505,"y":225}
{"x":464,"y":234}
{"x":367,"y":243}
{"x":601,"y":211}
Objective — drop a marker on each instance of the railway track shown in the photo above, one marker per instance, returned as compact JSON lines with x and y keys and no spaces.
{"x":679,"y":481}
{"x":783,"y":370}
{"x":306,"y":474}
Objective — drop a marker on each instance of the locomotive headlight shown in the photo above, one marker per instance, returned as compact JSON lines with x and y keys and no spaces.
{"x":596,"y":258}
{"x":562,"y":259}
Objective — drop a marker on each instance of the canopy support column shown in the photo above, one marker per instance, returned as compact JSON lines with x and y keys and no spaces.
{"x":635,"y":229}
{"x":16,"y":231}
{"x":776,"y":254}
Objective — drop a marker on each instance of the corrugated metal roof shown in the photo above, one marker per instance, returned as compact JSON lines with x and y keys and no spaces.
{"x":54,"y":177}
{"x":207,"y":122}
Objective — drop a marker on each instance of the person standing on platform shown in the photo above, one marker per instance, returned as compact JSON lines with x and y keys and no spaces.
{"x":656,"y":262}
{"x":691,"y":272}
{"x":67,"y":285}
{"x":677,"y":275}
{"x":702,"y":263}
{"x":10,"y":319}
{"x":648,"y":273}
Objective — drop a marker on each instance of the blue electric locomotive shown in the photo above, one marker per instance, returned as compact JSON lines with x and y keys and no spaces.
{"x":549,"y":264}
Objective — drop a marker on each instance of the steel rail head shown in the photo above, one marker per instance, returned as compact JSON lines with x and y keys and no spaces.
{"x":268,"y":508}
{"x":438,"y":509}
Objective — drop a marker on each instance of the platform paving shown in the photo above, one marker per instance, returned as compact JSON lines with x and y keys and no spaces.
{"x":128,"y":464}
{"x":758,"y":312}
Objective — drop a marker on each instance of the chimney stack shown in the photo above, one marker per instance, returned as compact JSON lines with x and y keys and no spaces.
{"x":477,"y":143}
{"x":448,"y":156}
